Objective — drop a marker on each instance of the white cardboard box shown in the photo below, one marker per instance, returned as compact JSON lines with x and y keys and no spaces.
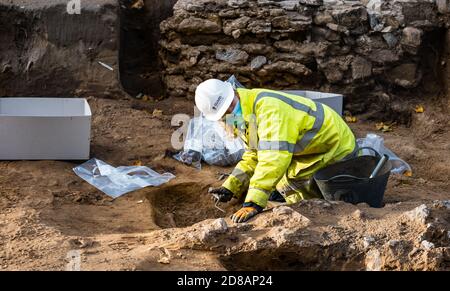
{"x":44,"y":129}
{"x":335,"y":101}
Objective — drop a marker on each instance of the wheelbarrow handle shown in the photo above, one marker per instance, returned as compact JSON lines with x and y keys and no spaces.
{"x":372,"y":149}
{"x":348,"y":178}
{"x":379,"y":166}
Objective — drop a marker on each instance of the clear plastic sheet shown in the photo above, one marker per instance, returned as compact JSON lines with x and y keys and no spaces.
{"x":190,"y":157}
{"x":376,"y":142}
{"x":116,"y":182}
{"x":234,"y":82}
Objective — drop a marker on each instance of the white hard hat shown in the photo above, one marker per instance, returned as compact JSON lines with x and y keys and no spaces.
{"x":213,"y":97}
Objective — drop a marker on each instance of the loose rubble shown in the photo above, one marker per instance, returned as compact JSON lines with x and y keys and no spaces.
{"x":305,"y":236}
{"x":419,"y":214}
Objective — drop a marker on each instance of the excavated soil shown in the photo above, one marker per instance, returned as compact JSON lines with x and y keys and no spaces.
{"x":47,"y":211}
{"x":56,"y":53}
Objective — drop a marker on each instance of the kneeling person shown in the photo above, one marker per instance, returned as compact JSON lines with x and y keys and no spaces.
{"x":296,"y":137}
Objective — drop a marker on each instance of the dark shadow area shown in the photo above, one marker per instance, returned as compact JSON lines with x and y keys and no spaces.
{"x":431,"y":56}
{"x":140,"y":69}
{"x":336,"y":257}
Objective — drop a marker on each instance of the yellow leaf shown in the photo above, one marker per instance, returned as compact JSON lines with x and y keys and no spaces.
{"x":419,"y":109}
{"x":386,"y":128}
{"x":137,"y":163}
{"x":383,"y":127}
{"x":379,"y":126}
{"x":351,"y":119}
{"x":157,"y":113}
{"x":408,"y":174}
{"x":138,"y":4}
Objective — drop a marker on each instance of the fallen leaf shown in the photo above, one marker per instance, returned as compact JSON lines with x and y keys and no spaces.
{"x":383,"y":127}
{"x":137,"y":163}
{"x":379,"y":125}
{"x":408,"y":174}
{"x":145,"y":98}
{"x":157,"y":113}
{"x":138,"y":4}
{"x":419,"y":109}
{"x":351,"y":119}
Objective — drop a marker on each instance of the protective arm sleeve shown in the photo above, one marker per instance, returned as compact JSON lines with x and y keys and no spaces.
{"x":277,"y":135}
{"x":239,"y":179}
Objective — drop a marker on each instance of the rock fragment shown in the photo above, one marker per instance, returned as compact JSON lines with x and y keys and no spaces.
{"x":419,"y":214}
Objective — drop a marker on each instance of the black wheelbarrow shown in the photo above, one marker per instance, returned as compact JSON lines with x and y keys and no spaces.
{"x":360,"y":179}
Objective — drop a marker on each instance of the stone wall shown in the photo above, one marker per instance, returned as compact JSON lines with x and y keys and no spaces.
{"x":362,"y":49}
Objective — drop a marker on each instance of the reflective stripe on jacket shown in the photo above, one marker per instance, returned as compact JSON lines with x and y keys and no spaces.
{"x":289,"y":127}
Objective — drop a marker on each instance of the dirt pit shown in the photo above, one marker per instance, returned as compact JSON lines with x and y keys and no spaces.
{"x":46,"y":211}
{"x":184,"y":204}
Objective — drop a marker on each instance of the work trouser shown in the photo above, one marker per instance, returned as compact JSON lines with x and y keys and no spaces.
{"x":298,"y":183}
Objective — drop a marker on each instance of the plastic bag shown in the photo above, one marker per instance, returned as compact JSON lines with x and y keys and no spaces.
{"x":208,"y":141}
{"x":376,"y":142}
{"x":219,"y":147}
{"x":190,"y":157}
{"x":192,"y":152}
{"x":234,"y":82}
{"x":116,"y":182}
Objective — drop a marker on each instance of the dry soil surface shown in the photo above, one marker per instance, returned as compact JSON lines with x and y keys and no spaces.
{"x":48,"y":214}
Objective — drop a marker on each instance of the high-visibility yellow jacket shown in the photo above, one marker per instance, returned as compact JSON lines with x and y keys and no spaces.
{"x":288,"y":127}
